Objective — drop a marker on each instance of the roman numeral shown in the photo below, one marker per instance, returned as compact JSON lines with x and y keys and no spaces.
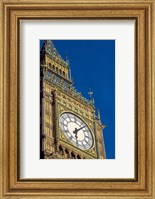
{"x":84,"y":146}
{"x":68,"y":117}
{"x":86,"y":142}
{"x":65,"y":131}
{"x":63,"y":124}
{"x":75,"y":119}
{"x":71,"y":137}
{"x":82,"y":124}
{"x":88,"y":137}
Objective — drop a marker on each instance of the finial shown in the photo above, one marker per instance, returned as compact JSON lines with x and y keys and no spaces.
{"x":99,"y":116}
{"x":67,"y":60}
{"x":70,"y":75}
{"x":72,"y":81}
{"x":90,"y":93}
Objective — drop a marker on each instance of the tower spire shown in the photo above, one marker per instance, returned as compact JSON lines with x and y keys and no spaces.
{"x":90,"y":93}
{"x":98,"y":115}
{"x":67,"y":60}
{"x":70,"y":75}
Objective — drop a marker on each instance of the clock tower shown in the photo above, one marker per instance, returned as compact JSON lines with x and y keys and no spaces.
{"x":69,"y":128}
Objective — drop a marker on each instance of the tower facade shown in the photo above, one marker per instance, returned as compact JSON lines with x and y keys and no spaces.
{"x":69,"y":128}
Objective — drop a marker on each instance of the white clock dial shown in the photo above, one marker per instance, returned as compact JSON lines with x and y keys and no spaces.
{"x":76,"y":130}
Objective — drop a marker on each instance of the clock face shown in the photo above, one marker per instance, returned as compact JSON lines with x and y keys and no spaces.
{"x":76,"y":131}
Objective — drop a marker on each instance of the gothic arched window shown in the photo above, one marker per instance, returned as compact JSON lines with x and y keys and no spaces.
{"x":60,"y":150}
{"x":73,"y":155}
{"x":67,"y":153}
{"x":78,"y":157}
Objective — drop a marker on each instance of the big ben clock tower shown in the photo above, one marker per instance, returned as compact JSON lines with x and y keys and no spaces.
{"x":69,"y":128}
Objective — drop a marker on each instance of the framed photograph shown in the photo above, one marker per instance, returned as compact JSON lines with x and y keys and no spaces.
{"x":77,"y":99}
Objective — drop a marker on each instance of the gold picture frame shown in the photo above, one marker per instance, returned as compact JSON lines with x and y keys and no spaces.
{"x":10,"y":183}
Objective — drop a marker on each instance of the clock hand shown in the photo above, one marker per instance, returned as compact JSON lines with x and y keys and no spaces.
{"x":76,"y":130}
{"x":80,"y":128}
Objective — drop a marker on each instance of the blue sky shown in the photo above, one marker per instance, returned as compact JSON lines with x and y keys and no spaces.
{"x":92,"y":64}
